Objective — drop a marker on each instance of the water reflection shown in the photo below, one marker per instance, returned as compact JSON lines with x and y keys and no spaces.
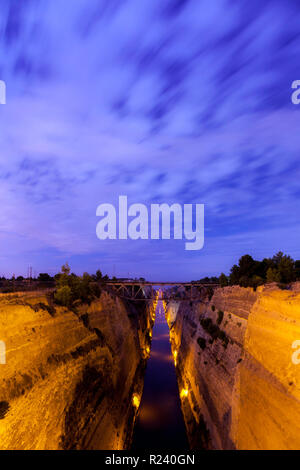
{"x":160,"y":423}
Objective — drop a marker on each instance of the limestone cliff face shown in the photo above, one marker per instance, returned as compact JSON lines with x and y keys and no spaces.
{"x":240,"y":388}
{"x":72,"y":379}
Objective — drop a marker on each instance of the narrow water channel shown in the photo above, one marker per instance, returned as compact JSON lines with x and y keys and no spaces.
{"x":160,"y":423}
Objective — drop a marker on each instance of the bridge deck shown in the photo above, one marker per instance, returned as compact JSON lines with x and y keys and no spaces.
{"x":164,"y":283}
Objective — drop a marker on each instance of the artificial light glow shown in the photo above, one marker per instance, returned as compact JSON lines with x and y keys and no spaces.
{"x":136,"y":401}
{"x":175,"y":357}
{"x":184,"y":393}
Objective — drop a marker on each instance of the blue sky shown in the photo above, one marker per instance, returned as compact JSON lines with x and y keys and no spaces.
{"x":174,"y":101}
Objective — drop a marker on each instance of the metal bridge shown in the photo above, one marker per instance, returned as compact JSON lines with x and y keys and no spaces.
{"x":144,"y":290}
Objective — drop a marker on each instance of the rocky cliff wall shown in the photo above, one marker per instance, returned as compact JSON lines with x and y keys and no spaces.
{"x":239,"y":386}
{"x":72,"y":379}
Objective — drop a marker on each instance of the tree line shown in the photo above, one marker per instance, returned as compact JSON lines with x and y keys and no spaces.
{"x":249,"y":272}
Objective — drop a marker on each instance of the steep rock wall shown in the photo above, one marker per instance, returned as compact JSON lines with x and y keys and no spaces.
{"x":72,"y":378}
{"x":239,"y":386}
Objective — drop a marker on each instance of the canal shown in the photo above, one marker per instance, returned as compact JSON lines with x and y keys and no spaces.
{"x":160,"y":423}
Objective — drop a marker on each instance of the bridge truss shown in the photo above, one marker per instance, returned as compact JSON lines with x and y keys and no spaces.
{"x":138,"y":291}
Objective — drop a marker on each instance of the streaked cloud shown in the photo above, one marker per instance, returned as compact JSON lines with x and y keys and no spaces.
{"x":183,"y":101}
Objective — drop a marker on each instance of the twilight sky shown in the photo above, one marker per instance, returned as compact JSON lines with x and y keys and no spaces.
{"x":175,"y":101}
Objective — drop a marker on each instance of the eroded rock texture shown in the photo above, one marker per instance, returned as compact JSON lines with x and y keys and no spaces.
{"x":70,"y":376}
{"x":234,"y":359}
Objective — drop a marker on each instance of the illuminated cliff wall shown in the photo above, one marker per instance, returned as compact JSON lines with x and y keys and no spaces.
{"x":72,"y":378}
{"x":239,"y":386}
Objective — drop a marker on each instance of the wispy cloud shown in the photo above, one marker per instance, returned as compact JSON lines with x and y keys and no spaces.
{"x":180,"y":101}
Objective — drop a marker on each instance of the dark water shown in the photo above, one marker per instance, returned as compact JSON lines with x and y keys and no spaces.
{"x":160,"y":422}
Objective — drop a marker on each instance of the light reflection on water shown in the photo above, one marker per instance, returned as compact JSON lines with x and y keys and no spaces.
{"x":160,"y":423}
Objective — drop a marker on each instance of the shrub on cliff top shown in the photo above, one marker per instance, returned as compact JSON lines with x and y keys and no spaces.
{"x":72,"y":289}
{"x":223,"y":280}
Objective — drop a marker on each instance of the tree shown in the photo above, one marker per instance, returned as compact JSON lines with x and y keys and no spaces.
{"x":65,"y":269}
{"x":256,"y":281}
{"x":244,"y":281}
{"x":277,"y":258}
{"x":72,"y":289}
{"x":286,"y":269}
{"x":234,"y":275}
{"x":223,"y":280}
{"x":297,"y":269}
{"x":247,"y":266}
{"x":273,"y":275}
{"x":63,"y":296}
{"x":63,"y":278}
{"x":44,"y":277}
{"x":95,"y":289}
{"x":262,"y":267}
{"x":249,"y":272}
